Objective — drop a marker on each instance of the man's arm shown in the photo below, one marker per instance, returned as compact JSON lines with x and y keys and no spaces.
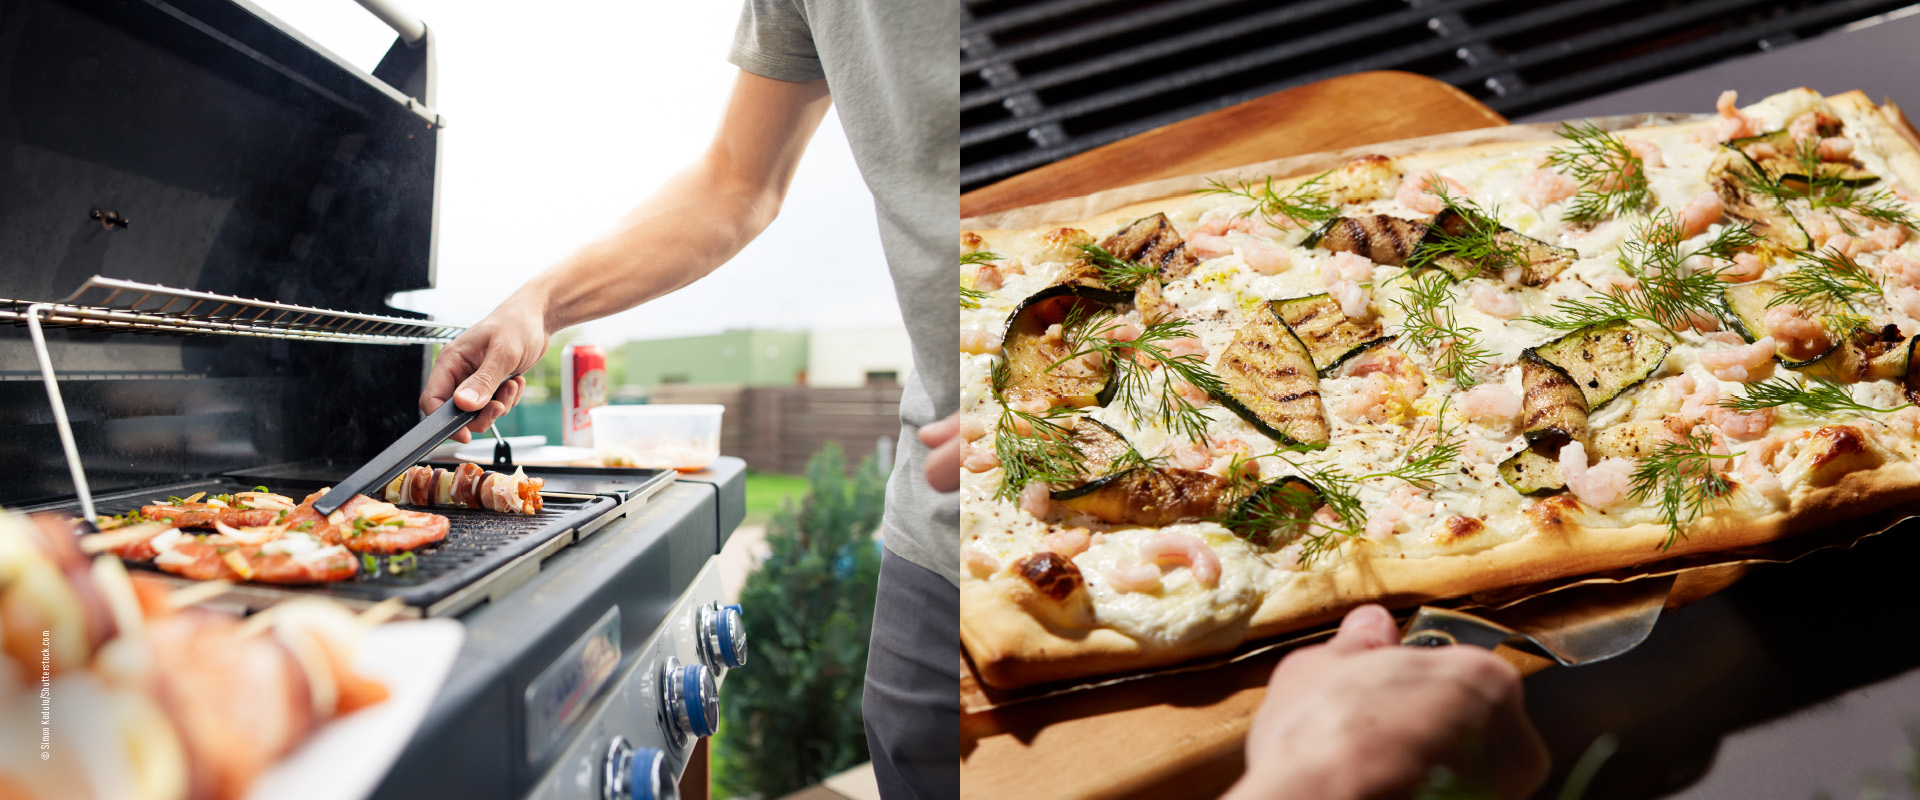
{"x":690,"y":226}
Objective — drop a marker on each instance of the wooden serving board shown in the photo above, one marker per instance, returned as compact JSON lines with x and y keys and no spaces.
{"x":1180,"y":735}
{"x":1348,"y":111}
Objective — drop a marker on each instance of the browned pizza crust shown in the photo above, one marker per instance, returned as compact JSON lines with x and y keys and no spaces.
{"x":1018,"y":636}
{"x":1011,"y":646}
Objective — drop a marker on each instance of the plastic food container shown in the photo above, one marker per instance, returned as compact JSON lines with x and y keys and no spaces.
{"x":682,"y":437}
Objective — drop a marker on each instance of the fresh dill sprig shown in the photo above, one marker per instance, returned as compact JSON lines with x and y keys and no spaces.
{"x":1304,"y":204}
{"x":1818,"y":397}
{"x":1613,"y":180}
{"x":1680,"y":479}
{"x":1826,"y":189}
{"x":1666,"y":292}
{"x":1479,"y":242}
{"x":1135,"y":390}
{"x":1032,"y":447}
{"x":970,"y":297}
{"x":1829,"y":282}
{"x":1430,"y":326}
{"x":1115,"y":271}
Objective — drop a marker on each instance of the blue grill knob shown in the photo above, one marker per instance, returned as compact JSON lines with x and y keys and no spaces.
{"x":689,"y":701}
{"x":723,"y":636}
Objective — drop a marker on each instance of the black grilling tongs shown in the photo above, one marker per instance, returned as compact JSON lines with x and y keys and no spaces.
{"x":400,"y":455}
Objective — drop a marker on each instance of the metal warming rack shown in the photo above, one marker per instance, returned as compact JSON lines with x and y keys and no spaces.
{"x":113,"y":305}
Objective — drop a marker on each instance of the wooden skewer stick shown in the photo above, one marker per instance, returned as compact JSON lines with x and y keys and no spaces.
{"x":198,"y":593}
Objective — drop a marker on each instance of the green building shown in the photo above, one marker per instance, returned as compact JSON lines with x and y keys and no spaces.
{"x":747,"y":357}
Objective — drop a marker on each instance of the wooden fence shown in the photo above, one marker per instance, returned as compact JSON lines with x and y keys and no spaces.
{"x":777,"y":428}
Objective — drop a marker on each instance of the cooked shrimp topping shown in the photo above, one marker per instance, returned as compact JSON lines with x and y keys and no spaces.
{"x":1417,"y":191}
{"x":1744,"y":364}
{"x":1799,"y":334}
{"x":1746,"y":267}
{"x":1036,"y":500}
{"x":1264,"y":258}
{"x":1544,"y":187}
{"x":1068,"y":543}
{"x":1703,"y":210}
{"x":979,"y":342}
{"x":1600,"y":485}
{"x":1491,"y":402}
{"x":1167,"y":547}
{"x":1140,"y":578}
{"x":1494,"y":302}
{"x":980,"y":564}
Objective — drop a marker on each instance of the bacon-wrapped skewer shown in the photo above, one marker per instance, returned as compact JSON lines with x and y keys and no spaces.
{"x":366,"y":525}
{"x":468,"y":486}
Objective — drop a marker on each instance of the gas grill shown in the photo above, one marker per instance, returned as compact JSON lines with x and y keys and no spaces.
{"x":203,"y":217}
{"x":1045,"y":79}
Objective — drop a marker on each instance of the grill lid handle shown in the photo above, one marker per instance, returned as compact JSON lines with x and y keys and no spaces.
{"x":398,"y":456}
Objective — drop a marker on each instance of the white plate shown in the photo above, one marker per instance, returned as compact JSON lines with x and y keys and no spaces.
{"x":346,"y":759}
{"x":448,"y":448}
{"x":543,"y":456}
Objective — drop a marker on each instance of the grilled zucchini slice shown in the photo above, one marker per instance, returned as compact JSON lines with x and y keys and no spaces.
{"x":1271,"y":382}
{"x":1149,"y":496}
{"x":1152,"y":240}
{"x":1606,"y":359}
{"x":1330,"y":335}
{"x":1543,"y":261}
{"x":1031,"y":357}
{"x":1554,"y":407}
{"x":1285,"y":498}
{"x":1912,"y":382}
{"x":1862,"y":353}
{"x":1532,"y":472}
{"x":1783,"y":167}
{"x":1100,"y":446}
{"x":1770,"y":220}
{"x":1382,"y":238}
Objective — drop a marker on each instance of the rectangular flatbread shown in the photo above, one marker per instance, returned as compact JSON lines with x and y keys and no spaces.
{"x":1217,"y":417}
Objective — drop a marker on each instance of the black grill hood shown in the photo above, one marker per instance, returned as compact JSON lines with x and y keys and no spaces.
{"x":243,"y":160}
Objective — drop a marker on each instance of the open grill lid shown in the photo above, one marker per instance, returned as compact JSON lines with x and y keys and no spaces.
{"x":199,"y":144}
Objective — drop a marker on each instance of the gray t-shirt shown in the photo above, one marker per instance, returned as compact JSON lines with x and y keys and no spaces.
{"x":896,"y":84}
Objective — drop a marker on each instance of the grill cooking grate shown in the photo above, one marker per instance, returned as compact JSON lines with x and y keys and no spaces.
{"x":478,"y":546}
{"x":1044,"y":79}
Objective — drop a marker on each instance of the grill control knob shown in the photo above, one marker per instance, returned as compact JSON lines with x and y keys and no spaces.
{"x":631,"y":774}
{"x":723,"y":636}
{"x":689,"y":702}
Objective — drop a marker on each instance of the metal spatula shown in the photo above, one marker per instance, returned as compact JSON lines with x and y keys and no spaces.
{"x":398,"y":456}
{"x":1573,"y":626}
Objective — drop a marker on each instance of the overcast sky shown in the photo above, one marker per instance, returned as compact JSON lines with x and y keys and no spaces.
{"x":564,"y":114}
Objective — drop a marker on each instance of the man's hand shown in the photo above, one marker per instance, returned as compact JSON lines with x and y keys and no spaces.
{"x":1362,"y":717}
{"x":475,"y":369}
{"x":943,"y":464}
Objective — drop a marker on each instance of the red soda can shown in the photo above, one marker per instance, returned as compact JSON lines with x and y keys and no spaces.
{"x":583,"y":386}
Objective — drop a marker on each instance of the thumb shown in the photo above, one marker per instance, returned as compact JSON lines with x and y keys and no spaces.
{"x":1365,"y":628}
{"x":479,"y":387}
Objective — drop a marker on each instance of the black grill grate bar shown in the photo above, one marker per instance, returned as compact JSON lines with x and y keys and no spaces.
{"x":1157,"y":49}
{"x":1583,"y":83}
{"x":1093,"y":31}
{"x":1038,"y":12}
{"x":1549,"y":92}
{"x":1174,"y":81}
{"x":976,"y":174}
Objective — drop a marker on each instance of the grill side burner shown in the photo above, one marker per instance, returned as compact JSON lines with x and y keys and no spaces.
{"x":1045,"y":79}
